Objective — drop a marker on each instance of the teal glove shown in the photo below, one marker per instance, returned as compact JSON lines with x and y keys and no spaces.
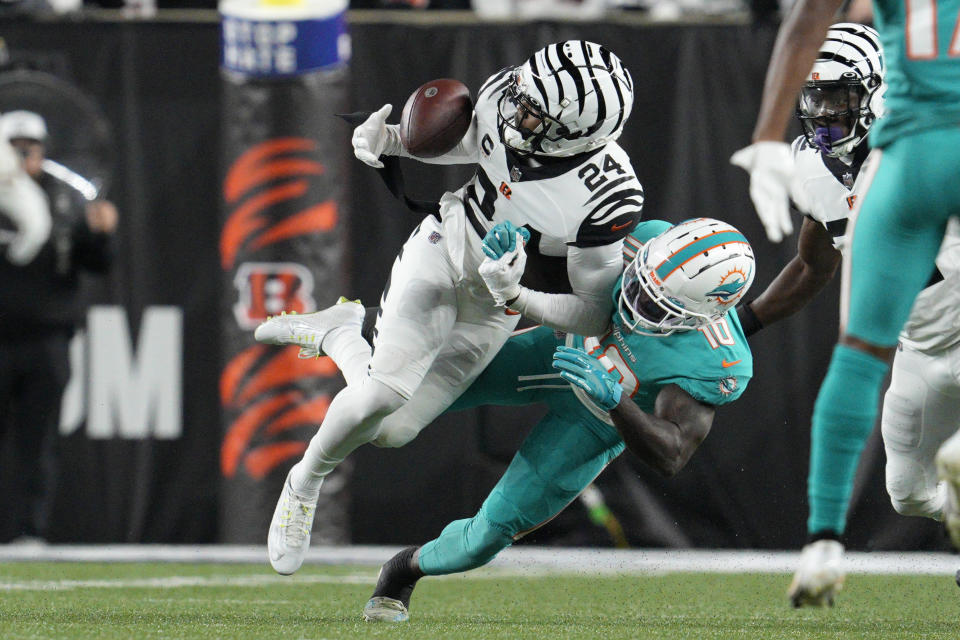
{"x":503,"y":239}
{"x":577,"y":367}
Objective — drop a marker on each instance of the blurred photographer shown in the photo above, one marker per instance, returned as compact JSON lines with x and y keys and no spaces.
{"x":40,"y":308}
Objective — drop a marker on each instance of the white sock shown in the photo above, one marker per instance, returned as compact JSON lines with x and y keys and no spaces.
{"x":353,"y":419}
{"x":305,"y":481}
{"x":349,"y":351}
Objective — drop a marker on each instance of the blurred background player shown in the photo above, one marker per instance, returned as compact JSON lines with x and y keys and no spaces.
{"x":838,"y":104}
{"x":895,"y":230}
{"x":544,"y":137}
{"x":39,"y":310}
{"x":652,"y":382}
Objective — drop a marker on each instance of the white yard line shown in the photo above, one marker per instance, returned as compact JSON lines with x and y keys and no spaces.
{"x":169,"y":582}
{"x":522,"y":561}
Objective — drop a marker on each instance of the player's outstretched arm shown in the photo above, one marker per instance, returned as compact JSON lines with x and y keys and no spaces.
{"x":374,"y":138}
{"x":799,"y":282}
{"x":666,"y":439}
{"x":794,"y":52}
{"x":467,"y":151}
{"x":592,"y":272}
{"x":768,"y":158}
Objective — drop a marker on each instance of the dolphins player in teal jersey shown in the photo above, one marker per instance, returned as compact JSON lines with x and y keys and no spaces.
{"x":673,"y":352}
{"x":895,"y":230}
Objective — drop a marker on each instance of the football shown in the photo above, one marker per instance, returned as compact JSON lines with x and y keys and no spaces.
{"x":435,"y":117}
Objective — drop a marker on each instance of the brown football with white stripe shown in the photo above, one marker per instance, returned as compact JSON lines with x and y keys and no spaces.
{"x":436,"y":117}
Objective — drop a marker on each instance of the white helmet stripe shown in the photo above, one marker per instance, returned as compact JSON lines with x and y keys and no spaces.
{"x":601,"y":104}
{"x":535,"y":72}
{"x":557,"y":77}
{"x":865,"y":57}
{"x":574,"y":73}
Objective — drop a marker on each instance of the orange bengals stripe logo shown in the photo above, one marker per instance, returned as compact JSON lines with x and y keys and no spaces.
{"x":281,"y":166}
{"x":259,"y":386}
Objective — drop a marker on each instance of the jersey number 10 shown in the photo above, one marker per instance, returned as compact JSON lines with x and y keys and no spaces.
{"x":718,"y":333}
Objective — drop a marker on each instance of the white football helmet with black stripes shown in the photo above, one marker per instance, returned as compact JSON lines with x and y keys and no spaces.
{"x":688,"y":276}
{"x":843,"y":94}
{"x":567,"y":98}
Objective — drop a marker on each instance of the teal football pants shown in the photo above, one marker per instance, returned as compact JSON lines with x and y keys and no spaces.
{"x":896,"y":238}
{"x":899,"y":230}
{"x":563,"y":453}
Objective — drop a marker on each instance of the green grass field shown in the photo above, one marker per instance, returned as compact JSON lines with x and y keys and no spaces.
{"x":105,"y":601}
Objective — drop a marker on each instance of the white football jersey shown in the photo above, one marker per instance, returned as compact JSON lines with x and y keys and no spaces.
{"x":826,"y":189}
{"x":588,"y":200}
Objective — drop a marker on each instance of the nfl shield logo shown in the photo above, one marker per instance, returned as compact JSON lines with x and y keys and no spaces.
{"x":434,"y":237}
{"x":515,"y":174}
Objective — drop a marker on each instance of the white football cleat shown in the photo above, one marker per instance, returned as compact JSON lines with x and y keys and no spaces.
{"x":383,"y":609}
{"x":307,"y":330}
{"x":289,"y":535}
{"x":948,"y":470}
{"x":820,"y":574}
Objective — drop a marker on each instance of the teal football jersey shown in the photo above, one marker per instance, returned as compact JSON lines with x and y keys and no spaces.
{"x":922,"y":50}
{"x":713,"y":364}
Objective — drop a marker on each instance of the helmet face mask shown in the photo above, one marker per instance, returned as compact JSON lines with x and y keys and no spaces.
{"x":643,"y":312}
{"x":829,"y":112}
{"x":685,"y":278}
{"x":843,"y":94}
{"x":521,"y":120}
{"x":567,"y":98}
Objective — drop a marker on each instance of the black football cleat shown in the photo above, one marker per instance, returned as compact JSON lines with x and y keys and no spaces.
{"x":390,"y":601}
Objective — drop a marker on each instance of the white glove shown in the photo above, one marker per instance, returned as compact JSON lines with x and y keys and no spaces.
{"x":371,"y":137}
{"x":820,"y":574}
{"x":770,"y":165}
{"x":502,"y":276}
{"x":24,"y":203}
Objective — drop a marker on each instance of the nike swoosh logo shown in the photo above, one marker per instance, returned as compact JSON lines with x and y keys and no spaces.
{"x":617,"y":227}
{"x":726,"y":364}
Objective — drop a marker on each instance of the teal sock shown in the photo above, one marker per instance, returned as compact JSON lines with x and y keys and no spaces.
{"x":843,"y":418}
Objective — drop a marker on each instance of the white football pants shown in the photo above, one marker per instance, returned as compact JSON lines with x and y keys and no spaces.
{"x":921,"y":409}
{"x":437,"y":332}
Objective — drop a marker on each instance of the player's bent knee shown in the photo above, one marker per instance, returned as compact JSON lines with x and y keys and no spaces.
{"x":917,"y":505}
{"x":393,"y":436}
{"x":911,"y":494}
{"x":376,"y":400}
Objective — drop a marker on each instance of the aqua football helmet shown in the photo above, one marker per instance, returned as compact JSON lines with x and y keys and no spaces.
{"x":687,"y":277}
{"x":567,"y":98}
{"x":843,"y":94}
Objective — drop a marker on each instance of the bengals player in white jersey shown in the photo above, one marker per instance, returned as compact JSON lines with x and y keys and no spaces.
{"x":543,"y":137}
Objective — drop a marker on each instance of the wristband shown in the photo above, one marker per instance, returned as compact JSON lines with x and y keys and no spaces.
{"x":749,"y":321}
